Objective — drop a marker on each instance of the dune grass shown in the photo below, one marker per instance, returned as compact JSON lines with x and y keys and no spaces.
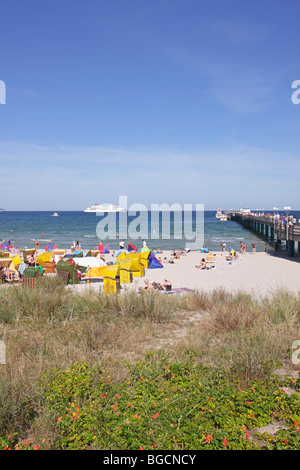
{"x":50,"y":329}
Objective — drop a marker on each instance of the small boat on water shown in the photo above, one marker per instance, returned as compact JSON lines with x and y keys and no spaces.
{"x":245,"y":210}
{"x":220,"y":215}
{"x":55,"y":214}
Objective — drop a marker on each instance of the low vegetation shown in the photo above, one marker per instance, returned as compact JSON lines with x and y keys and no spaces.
{"x":147,"y":371}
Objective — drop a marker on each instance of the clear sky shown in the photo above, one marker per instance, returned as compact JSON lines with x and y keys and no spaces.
{"x":164,"y":101}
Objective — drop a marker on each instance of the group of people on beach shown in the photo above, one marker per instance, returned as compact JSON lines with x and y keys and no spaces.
{"x":129,"y":245}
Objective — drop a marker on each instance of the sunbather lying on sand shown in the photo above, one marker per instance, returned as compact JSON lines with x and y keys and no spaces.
{"x":167,"y":285}
{"x":176,"y":254}
{"x":149,"y":286}
{"x":11,"y":275}
{"x":155,"y":286}
{"x":202,"y":264}
{"x":232,"y":256}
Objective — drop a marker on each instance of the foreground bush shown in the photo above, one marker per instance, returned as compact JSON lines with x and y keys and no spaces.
{"x":164,"y":405}
{"x":55,"y":394}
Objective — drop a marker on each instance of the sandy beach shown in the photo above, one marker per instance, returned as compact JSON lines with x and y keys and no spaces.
{"x":259,"y":274}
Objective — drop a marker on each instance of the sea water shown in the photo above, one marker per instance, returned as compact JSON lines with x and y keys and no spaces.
{"x":23,"y":228}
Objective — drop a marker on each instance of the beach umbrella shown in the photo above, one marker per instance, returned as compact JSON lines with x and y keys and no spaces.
{"x":131,"y":248}
{"x":103,"y":248}
{"x":153,"y":262}
{"x":50,"y":247}
{"x":5,"y":247}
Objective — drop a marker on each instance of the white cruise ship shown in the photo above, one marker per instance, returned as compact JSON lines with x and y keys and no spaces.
{"x":104,"y":208}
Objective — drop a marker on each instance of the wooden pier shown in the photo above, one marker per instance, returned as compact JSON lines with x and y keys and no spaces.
{"x":271,"y":227}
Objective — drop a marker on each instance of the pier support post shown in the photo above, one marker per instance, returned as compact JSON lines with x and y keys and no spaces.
{"x":266,"y":230}
{"x":291,"y":248}
{"x":272,"y":233}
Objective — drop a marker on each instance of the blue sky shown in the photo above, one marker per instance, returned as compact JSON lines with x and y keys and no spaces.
{"x":176,"y":101}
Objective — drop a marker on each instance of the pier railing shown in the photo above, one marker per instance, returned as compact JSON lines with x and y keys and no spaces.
{"x":292,"y":232}
{"x":286,"y":231}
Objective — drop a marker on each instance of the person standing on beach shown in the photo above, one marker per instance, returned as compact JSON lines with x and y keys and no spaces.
{"x":244,"y":248}
{"x":253,"y":247}
{"x":36,"y":244}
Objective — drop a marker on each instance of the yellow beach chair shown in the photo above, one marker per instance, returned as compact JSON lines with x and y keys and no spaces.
{"x":43,"y":257}
{"x":111,"y":281}
{"x":94,"y":272}
{"x":145,"y":258}
{"x":122,"y":255}
{"x":125,"y":271}
{"x":17,"y":260}
{"x":137,"y":268}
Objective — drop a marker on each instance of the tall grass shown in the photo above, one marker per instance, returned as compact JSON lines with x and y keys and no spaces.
{"x":51,"y":327}
{"x":247,"y":338}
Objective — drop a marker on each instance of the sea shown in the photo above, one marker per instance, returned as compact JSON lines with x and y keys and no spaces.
{"x":21,"y":229}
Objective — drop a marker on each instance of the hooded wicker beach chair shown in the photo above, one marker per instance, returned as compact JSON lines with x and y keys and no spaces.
{"x":30,"y":276}
{"x":125,"y":271}
{"x":137,"y":268}
{"x":111,"y":279}
{"x":28,"y":252}
{"x":71,"y":269}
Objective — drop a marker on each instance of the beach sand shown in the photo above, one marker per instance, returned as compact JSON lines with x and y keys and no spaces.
{"x":259,"y":274}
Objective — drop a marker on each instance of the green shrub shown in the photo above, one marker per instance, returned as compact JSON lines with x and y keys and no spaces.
{"x":164,"y":405}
